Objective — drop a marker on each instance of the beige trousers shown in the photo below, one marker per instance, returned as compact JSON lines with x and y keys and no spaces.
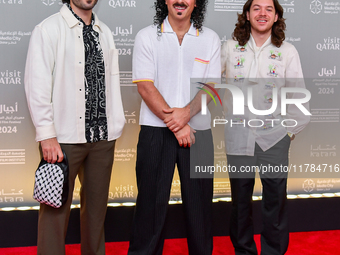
{"x":92,"y":162}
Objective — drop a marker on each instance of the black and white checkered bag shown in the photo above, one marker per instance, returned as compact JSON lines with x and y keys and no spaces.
{"x":51,"y":183}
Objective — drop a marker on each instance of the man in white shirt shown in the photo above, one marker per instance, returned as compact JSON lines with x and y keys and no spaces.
{"x":258,"y":59}
{"x":73,"y":93}
{"x":166,"y":56}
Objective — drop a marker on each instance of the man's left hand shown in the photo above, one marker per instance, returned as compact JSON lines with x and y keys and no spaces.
{"x":185,"y":136}
{"x":178,"y":118}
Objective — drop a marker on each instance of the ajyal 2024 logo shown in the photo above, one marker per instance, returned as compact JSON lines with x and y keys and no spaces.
{"x":239,"y":102}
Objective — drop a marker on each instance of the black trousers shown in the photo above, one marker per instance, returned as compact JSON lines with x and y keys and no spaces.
{"x":275,"y":233}
{"x":157,"y":153}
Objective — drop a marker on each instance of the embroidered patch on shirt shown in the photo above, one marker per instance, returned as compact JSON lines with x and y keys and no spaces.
{"x":269,"y":86}
{"x":275,"y":55}
{"x":239,"y":48}
{"x":272,"y":70}
{"x":239,"y":62}
{"x":239,"y":77}
{"x":238,"y":121}
{"x":268,"y":99}
{"x":267,"y":125}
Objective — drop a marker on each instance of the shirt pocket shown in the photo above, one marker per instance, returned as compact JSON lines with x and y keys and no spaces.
{"x":200,"y":68}
{"x":114,"y":65}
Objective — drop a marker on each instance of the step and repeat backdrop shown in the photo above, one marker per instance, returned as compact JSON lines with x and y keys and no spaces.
{"x":312,"y":26}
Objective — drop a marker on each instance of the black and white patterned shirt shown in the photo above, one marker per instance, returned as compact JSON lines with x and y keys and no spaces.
{"x":95,"y":99}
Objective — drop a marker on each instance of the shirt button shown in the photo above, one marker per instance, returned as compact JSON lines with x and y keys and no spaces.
{"x":80,"y":118}
{"x":79,"y":89}
{"x":79,"y":62}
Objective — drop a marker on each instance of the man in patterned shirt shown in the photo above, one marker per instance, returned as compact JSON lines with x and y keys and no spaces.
{"x":258,"y":53}
{"x":73,"y":93}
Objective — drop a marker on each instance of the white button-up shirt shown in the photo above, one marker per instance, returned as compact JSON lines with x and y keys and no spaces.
{"x":54,"y":79}
{"x":170,"y":66}
{"x":265,"y":67}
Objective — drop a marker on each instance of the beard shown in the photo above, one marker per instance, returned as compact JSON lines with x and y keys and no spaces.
{"x":84,"y":4}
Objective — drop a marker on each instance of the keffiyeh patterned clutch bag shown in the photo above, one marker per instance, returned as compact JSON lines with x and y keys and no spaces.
{"x":51,"y":183}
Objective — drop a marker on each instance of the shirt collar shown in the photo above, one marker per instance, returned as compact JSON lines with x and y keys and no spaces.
{"x":166,"y":28}
{"x":252,"y":43}
{"x":72,"y":21}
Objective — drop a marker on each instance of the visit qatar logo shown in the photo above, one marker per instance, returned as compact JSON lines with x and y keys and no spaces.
{"x":122,"y":3}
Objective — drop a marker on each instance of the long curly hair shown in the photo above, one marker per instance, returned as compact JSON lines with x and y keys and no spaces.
{"x":243,"y":27}
{"x":197,"y":16}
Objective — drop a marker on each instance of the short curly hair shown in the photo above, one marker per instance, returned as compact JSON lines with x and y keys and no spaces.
{"x":197,"y":16}
{"x":243,"y":27}
{"x":66,"y":1}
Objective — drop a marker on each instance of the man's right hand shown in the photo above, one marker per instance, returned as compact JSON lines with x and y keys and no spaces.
{"x":51,"y":150}
{"x":185,"y":136}
{"x":177,"y":118}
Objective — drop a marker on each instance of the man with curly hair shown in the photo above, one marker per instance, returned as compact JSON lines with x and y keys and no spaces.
{"x":270,"y":63}
{"x":166,"y":56}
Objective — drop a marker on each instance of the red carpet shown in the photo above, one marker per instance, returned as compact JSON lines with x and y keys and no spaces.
{"x":302,"y":243}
